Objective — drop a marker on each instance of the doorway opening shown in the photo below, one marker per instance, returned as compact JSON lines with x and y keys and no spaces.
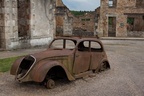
{"x":112,"y":27}
{"x":2,"y":25}
{"x":24,"y":18}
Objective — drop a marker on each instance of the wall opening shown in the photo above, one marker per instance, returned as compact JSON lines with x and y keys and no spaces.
{"x":135,"y":23}
{"x":140,"y":3}
{"x":24,"y":18}
{"x":80,"y":5}
{"x":76,"y":21}
{"x":112,"y":3}
{"x":112,"y":26}
{"x":1,"y":25}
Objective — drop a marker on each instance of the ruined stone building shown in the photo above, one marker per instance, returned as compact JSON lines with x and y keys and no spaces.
{"x":29,"y":23}
{"x":84,"y":24}
{"x":121,"y":18}
{"x":63,"y":19}
{"x":68,"y":24}
{"x":26,"y":23}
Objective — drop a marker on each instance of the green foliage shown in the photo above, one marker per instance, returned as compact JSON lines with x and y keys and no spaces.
{"x":5,"y":64}
{"x":110,"y":21}
{"x":77,"y":13}
{"x":130,"y":21}
{"x":85,"y":19}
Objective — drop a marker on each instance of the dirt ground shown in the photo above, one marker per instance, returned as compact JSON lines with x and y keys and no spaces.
{"x":125,"y":78}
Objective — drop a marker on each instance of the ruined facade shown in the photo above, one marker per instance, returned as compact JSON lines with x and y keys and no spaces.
{"x":68,"y":24}
{"x":26,"y":23}
{"x":29,"y":23}
{"x":84,"y":24}
{"x":121,"y":18}
{"x":63,"y":19}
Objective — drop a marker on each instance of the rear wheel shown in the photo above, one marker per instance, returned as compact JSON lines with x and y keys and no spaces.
{"x":103,"y":66}
{"x":50,"y":84}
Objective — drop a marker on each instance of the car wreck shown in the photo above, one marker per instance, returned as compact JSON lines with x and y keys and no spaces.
{"x":66,"y":57}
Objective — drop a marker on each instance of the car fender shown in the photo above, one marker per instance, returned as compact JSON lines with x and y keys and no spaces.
{"x":15,"y":66}
{"x":40,"y":70}
{"x":104,"y":60}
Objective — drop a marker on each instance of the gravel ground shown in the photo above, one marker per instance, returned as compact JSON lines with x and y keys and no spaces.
{"x":125,"y":78}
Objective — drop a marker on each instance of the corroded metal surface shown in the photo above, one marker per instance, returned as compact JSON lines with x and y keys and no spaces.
{"x":72,"y":57}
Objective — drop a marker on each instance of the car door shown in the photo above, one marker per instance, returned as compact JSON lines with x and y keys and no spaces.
{"x":82,"y":57}
{"x":97,"y":54}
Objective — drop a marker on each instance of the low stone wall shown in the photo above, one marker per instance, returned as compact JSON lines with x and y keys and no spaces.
{"x":135,"y":34}
{"x":24,"y":43}
{"x":84,"y":34}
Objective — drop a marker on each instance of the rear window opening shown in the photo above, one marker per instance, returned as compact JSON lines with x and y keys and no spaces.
{"x":92,"y":46}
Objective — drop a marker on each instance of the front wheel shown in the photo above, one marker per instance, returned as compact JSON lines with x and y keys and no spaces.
{"x":50,"y":84}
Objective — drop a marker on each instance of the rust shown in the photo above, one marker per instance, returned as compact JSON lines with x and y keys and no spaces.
{"x":66,"y":57}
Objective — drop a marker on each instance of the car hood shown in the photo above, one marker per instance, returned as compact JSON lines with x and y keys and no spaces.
{"x":51,"y":53}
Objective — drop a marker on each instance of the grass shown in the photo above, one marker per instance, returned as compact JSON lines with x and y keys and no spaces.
{"x":5,"y":64}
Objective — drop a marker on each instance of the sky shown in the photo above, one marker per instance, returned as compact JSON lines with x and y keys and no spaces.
{"x":83,"y":5}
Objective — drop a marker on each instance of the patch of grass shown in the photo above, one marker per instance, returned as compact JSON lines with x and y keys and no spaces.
{"x":5,"y":64}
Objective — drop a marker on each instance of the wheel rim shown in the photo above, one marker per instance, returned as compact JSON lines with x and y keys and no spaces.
{"x":103,"y":66}
{"x":50,"y":84}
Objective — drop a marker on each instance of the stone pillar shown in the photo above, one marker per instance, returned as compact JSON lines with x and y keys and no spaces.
{"x":121,"y":28}
{"x":42,"y":22}
{"x":10,"y":23}
{"x":67,"y":27}
{"x":102,"y":27}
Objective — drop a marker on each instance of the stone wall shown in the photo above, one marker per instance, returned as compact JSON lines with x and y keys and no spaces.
{"x":135,"y":34}
{"x":69,"y":24}
{"x":82,"y":33}
{"x":35,"y":27}
{"x":42,"y":22}
{"x":67,"y":28}
{"x":85,"y":22}
{"x":119,"y":12}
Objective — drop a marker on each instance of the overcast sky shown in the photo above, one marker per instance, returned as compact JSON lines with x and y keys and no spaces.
{"x":83,"y":5}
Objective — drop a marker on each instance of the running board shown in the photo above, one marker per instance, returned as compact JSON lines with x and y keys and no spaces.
{"x":83,"y":74}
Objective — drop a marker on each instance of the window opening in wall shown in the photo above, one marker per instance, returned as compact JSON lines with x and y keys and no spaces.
{"x":112,"y":3}
{"x":139,"y":3}
{"x":130,"y":23}
{"x":130,"y":20}
{"x":24,"y":18}
{"x":135,"y":23}
{"x":87,"y":19}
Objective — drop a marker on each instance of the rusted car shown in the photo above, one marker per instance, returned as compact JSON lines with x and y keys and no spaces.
{"x":66,"y":57}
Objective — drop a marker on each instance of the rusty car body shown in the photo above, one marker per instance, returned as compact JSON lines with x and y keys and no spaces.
{"x":66,"y":57}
